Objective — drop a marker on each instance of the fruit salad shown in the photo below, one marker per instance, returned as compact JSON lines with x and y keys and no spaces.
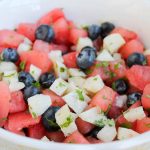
{"x":72,"y":84}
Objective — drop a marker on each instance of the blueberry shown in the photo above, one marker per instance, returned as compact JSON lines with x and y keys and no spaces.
{"x":120,"y":86}
{"x":86,"y":57}
{"x":47,"y":79}
{"x":30,"y":91}
{"x":48,"y":119}
{"x":133,"y":98}
{"x":106,"y":28}
{"x":136,"y":59}
{"x":45,"y":33}
{"x":26,"y":78}
{"x":10,"y":54}
{"x":94,"y":132}
{"x":94,"y":32}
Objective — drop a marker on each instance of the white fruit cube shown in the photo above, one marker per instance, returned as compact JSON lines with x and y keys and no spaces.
{"x":117,"y":56}
{"x":93,"y":84}
{"x":113,"y":42}
{"x":77,"y":81}
{"x":104,"y":56}
{"x":23,"y":47}
{"x":16,"y":86}
{"x":61,"y":70}
{"x":35,"y":72}
{"x":71,"y":87}
{"x":10,"y":76}
{"x":93,"y":116}
{"x":124,"y":133}
{"x":38,"y":104}
{"x":65,"y":120}
{"x":83,"y":42}
{"x":134,"y":114}
{"x":147,"y":52}
{"x":107,"y":134}
{"x":7,"y":66}
{"x":77,"y":100}
{"x":56,"y":55}
{"x":74,"y":72}
{"x":59,"y":86}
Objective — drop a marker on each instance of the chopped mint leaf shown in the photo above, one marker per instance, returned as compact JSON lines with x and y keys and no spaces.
{"x":108,"y":109}
{"x":61,"y":84}
{"x":110,"y":122}
{"x":62,"y":69}
{"x":126,"y":125}
{"x":112,"y":75}
{"x":116,"y":66}
{"x":102,"y":122}
{"x":80,"y":95}
{"x":147,"y":125}
{"x":32,"y":72}
{"x":10,"y":75}
{"x":34,"y":115}
{"x":95,"y":79}
{"x":147,"y":96}
{"x":22,"y":65}
{"x":36,"y":84}
{"x":52,"y":123}
{"x":3,"y":119}
{"x":113,"y":86}
{"x":88,"y":71}
{"x":68,"y":121}
{"x":102,"y":64}
{"x":144,"y":62}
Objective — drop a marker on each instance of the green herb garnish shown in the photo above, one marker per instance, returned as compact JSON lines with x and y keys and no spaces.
{"x":126,"y":125}
{"x":61,"y":84}
{"x":68,"y":121}
{"x":102,"y":64}
{"x":88,"y":71}
{"x":52,"y":123}
{"x":102,"y":122}
{"x":147,"y":96}
{"x":147,"y":125}
{"x":10,"y":75}
{"x":22,"y":65}
{"x":34,"y":115}
{"x":80,"y":95}
{"x":95,"y":79}
{"x":62,"y":69}
{"x":116,"y":66}
{"x":36,"y":84}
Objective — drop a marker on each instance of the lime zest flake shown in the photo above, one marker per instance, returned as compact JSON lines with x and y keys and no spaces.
{"x":126,"y":125}
{"x":62,"y":69}
{"x":80,"y":94}
{"x":36,"y":84}
{"x":22,"y":65}
{"x":52,"y":123}
{"x":68,"y":121}
{"x":10,"y":75}
{"x":102,"y":64}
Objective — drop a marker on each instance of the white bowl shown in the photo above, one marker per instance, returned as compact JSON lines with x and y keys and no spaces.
{"x":132,"y":14}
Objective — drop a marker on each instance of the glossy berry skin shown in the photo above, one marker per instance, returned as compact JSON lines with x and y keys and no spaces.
{"x":120,"y":86}
{"x":10,"y":54}
{"x":26,"y":78}
{"x":133,"y":98}
{"x":106,"y":28}
{"x":30,"y":91}
{"x":94,"y":32}
{"x":45,"y":33}
{"x":86,"y":57}
{"x":136,"y":59}
{"x":47,"y":79}
{"x":48,"y":119}
{"x":94,"y":132}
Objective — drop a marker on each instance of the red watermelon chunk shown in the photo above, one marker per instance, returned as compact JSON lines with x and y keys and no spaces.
{"x":138,"y":76}
{"x":36,"y":131}
{"x":10,"y":38}
{"x":143,"y":125}
{"x":18,"y":121}
{"x":28,"y":30}
{"x":57,"y":136}
{"x":84,"y":127}
{"x":76,"y":138}
{"x":146,"y":97}
{"x":75,"y":34}
{"x":70,"y":60}
{"x":39,"y":59}
{"x":56,"y":100}
{"x":125,"y":33}
{"x":17,"y":102}
{"x":148,"y":60}
{"x":93,"y":140}
{"x":61,"y":30}
{"x":131,"y":47}
{"x":4,"y":102}
{"x":51,"y":17}
{"x":104,"y":98}
{"x":41,"y":46}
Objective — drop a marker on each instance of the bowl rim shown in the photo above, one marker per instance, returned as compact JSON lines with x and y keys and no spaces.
{"x":34,"y":143}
